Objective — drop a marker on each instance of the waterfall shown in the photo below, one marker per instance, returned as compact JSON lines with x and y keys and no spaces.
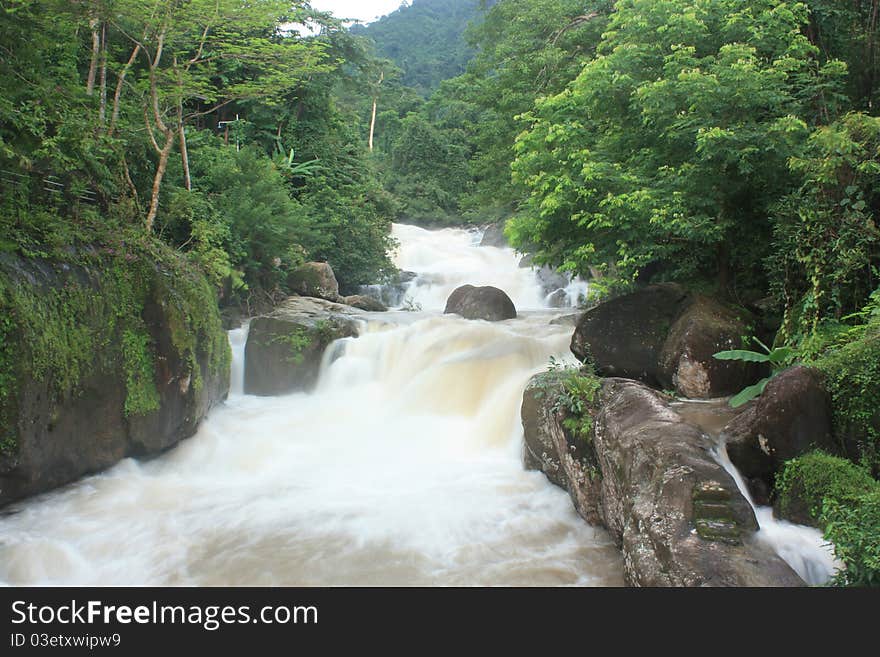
{"x":401,"y":468}
{"x":802,"y":548}
{"x":443,"y":260}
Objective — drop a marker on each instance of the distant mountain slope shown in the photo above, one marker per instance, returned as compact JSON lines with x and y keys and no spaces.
{"x":425,"y":39}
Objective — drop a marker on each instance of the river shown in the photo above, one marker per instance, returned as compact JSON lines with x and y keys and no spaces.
{"x":403,"y":467}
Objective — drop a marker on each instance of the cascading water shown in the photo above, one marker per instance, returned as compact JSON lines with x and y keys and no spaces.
{"x":802,"y":548}
{"x":403,"y":467}
{"x":442,"y":260}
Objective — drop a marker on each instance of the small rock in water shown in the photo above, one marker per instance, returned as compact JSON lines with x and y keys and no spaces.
{"x":488,"y":303}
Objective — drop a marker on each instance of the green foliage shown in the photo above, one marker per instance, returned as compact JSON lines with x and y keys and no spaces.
{"x":674,"y":140}
{"x":574,"y":391}
{"x":526,"y":49}
{"x":425,"y":39}
{"x":778,"y":358}
{"x":139,"y":365}
{"x":849,"y":31}
{"x":429,"y":172}
{"x":845,"y":501}
{"x":853,"y":526}
{"x":810,"y":479}
{"x":8,"y":371}
{"x":852,"y":372}
{"x":826,"y":238}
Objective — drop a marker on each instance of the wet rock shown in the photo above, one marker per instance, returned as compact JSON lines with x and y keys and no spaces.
{"x":558,"y":299}
{"x":675,"y":512}
{"x":145,"y":377}
{"x":365,"y":302}
{"x":704,"y":328}
{"x":790,"y":418}
{"x":284,"y":349}
{"x":314,"y":279}
{"x":566,"y":320}
{"x":487,"y":303}
{"x":494,"y":235}
{"x":666,"y":336}
{"x":550,"y":279}
{"x":568,"y":462}
{"x":624,"y":337}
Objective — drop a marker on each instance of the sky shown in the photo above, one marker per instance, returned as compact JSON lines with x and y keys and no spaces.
{"x":364,"y":10}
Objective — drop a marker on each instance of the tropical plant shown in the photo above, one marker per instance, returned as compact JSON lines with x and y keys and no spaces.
{"x":778,"y":358}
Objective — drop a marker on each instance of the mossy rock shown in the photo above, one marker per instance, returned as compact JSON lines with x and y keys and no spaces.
{"x":283,"y":353}
{"x":109,"y":354}
{"x":557,"y":416}
{"x":806,"y":482}
{"x":852,"y":373}
{"x":314,"y":279}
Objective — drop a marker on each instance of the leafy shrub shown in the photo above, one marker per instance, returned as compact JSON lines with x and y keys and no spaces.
{"x":853,"y":526}
{"x":575,"y":390}
{"x":844,"y":499}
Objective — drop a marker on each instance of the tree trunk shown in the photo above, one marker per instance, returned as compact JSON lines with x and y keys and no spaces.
{"x":184,"y":158}
{"x":872,"y":53}
{"x":117,"y":95}
{"x":157,"y":179}
{"x":373,"y":124}
{"x":102,"y":112}
{"x":96,"y":49}
{"x":375,"y":103}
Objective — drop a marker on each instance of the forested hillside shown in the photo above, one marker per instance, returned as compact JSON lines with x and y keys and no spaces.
{"x":425,"y":38}
{"x":208,"y":125}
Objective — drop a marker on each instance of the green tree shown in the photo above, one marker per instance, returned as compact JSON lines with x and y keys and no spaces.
{"x":826,"y":258}
{"x":673,"y":143}
{"x":201,"y":55}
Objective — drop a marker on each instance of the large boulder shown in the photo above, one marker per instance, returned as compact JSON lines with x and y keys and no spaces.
{"x":488,"y":303}
{"x":677,"y":515}
{"x":494,"y":235}
{"x":101,"y":358}
{"x":567,"y":461}
{"x":790,"y":418}
{"x":624,"y":337}
{"x":284,"y":349}
{"x":666,"y":336}
{"x":314,"y":279}
{"x":365,"y":302}
{"x":704,"y":328}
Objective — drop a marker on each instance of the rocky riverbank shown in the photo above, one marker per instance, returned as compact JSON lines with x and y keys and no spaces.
{"x":102,"y":357}
{"x":634,"y":465}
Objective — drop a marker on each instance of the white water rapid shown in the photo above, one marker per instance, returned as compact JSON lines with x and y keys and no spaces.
{"x":402,"y":468}
{"x":803,"y":548}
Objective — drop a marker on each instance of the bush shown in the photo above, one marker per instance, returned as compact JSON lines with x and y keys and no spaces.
{"x":853,"y":526}
{"x":844,"y":500}
{"x":805,"y":482}
{"x":851,"y":375}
